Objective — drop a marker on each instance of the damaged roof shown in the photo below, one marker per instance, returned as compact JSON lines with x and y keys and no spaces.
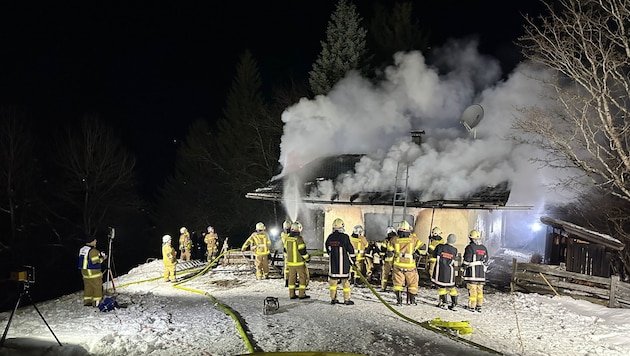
{"x":582,"y":233}
{"x":331,"y":168}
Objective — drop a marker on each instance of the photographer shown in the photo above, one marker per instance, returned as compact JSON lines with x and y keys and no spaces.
{"x":90,"y":260}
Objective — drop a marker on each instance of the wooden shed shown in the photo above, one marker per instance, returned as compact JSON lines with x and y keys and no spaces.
{"x":580,"y":249}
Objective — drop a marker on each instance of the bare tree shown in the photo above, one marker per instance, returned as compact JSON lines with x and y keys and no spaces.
{"x":97,"y":171}
{"x":586,"y":45}
{"x":586,"y":42}
{"x":17,"y":165}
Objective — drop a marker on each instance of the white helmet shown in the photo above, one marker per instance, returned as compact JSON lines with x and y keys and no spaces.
{"x":182,"y":230}
{"x":404,"y":226}
{"x":210,"y":229}
{"x":390,"y":229}
{"x":166,"y":238}
{"x":296,"y":227}
{"x":358,"y":229}
{"x":260,"y":227}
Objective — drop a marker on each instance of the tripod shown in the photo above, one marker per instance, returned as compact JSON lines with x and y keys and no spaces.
{"x":25,"y":293}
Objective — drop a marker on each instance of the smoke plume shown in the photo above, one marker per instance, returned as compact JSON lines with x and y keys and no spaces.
{"x":360,"y":116}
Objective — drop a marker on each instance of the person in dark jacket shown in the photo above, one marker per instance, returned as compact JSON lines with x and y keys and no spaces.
{"x":444,"y":271}
{"x":341,"y":256}
{"x":474,"y":264}
{"x":90,"y":260}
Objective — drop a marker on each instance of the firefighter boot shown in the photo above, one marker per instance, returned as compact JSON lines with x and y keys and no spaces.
{"x":398,"y":297}
{"x":412,"y":299}
{"x":442,"y":302}
{"x":453,"y":305}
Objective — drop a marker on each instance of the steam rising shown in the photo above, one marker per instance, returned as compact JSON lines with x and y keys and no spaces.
{"x":359,"y":116}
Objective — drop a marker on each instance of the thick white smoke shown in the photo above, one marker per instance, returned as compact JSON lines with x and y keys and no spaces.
{"x":358,"y":116}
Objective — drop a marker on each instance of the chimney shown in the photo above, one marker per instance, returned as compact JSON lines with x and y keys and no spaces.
{"x":416,"y":136}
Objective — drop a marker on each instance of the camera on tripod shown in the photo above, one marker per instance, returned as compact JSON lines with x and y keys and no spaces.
{"x":25,"y":275}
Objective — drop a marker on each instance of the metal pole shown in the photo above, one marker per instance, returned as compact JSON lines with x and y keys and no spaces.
{"x":112,"y":234}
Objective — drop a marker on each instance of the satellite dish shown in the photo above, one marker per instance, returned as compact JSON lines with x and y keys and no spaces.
{"x":471,"y":116}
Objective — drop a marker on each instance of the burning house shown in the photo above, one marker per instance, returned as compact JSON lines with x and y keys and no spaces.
{"x":311,"y":193}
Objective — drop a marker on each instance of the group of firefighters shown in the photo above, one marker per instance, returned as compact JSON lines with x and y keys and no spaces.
{"x":353,"y":255}
{"x":169,"y":254}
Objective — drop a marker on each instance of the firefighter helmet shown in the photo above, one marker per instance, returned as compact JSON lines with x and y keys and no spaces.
{"x":390,"y":229}
{"x":475,"y":235}
{"x":358,"y":229}
{"x":182,"y":230}
{"x":296,"y":227}
{"x":210,"y":229}
{"x":286,"y":225}
{"x":451,"y":239}
{"x":260,"y":226}
{"x":436,"y":231}
{"x":338,"y":223}
{"x":404,"y":226}
{"x":166,"y":238}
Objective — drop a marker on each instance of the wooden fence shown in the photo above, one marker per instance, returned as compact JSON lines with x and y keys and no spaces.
{"x":547,"y":279}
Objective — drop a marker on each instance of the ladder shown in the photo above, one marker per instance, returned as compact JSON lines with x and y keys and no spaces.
{"x":399,"y":201}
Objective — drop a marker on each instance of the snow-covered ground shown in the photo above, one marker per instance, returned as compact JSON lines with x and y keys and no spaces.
{"x":221,"y":313}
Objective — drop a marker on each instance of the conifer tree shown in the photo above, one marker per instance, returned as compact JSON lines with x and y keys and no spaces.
{"x":343,"y":50}
{"x":394,"y":30}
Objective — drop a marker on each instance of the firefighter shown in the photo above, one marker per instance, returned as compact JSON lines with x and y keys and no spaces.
{"x":474,"y":264}
{"x":341,"y":257}
{"x":90,"y":260}
{"x":185,"y":244}
{"x":387,"y":257}
{"x":435,"y":238}
{"x":296,"y":258}
{"x":405,"y":272}
{"x":286,"y":230}
{"x":360,"y":244}
{"x":260,"y":244}
{"x":169,"y":258}
{"x":211,"y":240}
{"x":444,"y":272}
{"x":370,"y":252}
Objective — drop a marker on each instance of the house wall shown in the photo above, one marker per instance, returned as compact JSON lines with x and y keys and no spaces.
{"x":456,"y":221}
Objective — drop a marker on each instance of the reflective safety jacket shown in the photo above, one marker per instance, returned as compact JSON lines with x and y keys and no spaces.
{"x":403,"y":249}
{"x":90,"y":260}
{"x":360,"y":244}
{"x":185,"y":242}
{"x":433,"y":243}
{"x":444,"y":272}
{"x":259,"y":241}
{"x":387,"y":254}
{"x":296,"y":254}
{"x":474,"y":262}
{"x":211,"y":241}
{"x":169,"y":255}
{"x":340,"y":250}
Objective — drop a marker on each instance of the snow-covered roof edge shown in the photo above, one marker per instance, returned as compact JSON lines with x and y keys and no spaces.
{"x":583,"y":233}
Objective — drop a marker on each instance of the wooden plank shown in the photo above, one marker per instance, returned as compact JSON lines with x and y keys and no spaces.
{"x":565,"y":285}
{"x":532,"y":267}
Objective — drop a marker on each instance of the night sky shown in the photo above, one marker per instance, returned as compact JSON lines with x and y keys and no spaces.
{"x":152,"y":67}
